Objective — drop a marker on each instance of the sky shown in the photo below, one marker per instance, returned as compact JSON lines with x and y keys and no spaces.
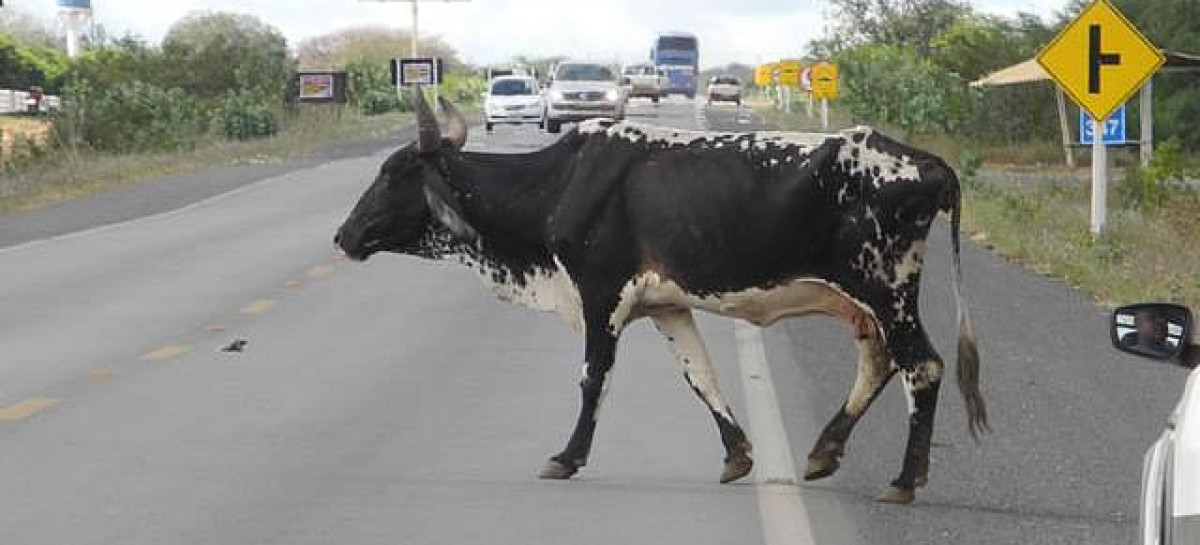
{"x":492,"y":31}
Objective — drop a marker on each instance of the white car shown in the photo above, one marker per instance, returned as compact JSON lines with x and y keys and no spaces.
{"x":513,"y":99}
{"x":727,"y":88}
{"x":1170,"y":506}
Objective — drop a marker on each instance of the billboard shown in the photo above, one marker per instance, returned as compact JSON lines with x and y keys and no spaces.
{"x":316,"y":86}
{"x":419,"y":71}
{"x":75,"y":4}
{"x":322,"y":87}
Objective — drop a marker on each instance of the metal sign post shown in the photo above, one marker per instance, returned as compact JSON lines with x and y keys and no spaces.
{"x":1099,"y":178}
{"x":825,"y":86}
{"x":1100,"y":59}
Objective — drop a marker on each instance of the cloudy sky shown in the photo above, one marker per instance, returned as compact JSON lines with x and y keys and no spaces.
{"x":487,"y":31}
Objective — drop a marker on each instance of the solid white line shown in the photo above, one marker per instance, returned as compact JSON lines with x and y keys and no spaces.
{"x":784,"y":517}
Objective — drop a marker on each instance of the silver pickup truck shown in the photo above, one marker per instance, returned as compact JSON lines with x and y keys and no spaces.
{"x":582,"y":90}
{"x":643,"y":80}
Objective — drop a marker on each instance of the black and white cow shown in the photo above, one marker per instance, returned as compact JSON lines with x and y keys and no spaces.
{"x":620,"y":221}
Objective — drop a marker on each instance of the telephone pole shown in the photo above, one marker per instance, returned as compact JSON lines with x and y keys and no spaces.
{"x":414,"y":47}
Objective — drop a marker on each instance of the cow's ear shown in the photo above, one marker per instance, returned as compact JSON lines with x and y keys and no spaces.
{"x":447,"y":209}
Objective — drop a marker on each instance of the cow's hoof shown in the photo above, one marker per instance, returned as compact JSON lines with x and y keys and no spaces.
{"x":898,"y":496}
{"x":736,"y":467}
{"x":557,"y":470}
{"x":820,"y":467}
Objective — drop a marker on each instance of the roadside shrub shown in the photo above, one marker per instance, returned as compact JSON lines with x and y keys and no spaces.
{"x":462,"y":89}
{"x":379,"y":102}
{"x":129,"y":117}
{"x":1148,"y":188}
{"x":244,"y":115}
{"x":969,"y":163}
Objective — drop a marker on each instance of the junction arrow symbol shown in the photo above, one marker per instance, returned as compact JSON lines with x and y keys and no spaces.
{"x":1096,"y":59}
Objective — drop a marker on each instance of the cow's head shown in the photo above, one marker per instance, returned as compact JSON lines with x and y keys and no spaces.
{"x":410,"y":191}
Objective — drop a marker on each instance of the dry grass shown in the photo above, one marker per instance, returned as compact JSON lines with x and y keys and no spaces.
{"x":1144,"y":255}
{"x":66,"y":171}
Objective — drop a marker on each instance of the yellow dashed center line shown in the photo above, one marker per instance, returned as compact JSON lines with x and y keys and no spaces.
{"x":320,"y":271}
{"x":27,"y":408}
{"x":166,"y":352}
{"x":102,"y":374}
{"x":291,"y":284}
{"x":216,"y":328}
{"x":258,"y":307}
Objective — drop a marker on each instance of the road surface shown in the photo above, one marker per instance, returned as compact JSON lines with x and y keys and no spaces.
{"x":395,"y":402}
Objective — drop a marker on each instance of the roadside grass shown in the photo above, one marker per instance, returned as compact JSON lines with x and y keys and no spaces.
{"x":1020,"y":201}
{"x":1144,"y":256}
{"x":37,"y":177}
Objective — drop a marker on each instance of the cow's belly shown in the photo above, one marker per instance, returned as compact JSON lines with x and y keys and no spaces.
{"x":760,"y":306}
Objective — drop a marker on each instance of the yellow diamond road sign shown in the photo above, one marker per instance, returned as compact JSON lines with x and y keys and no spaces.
{"x":1100,"y":59}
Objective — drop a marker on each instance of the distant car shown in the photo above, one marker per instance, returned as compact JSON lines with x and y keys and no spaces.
{"x":513,"y":99}
{"x":726,"y":88}
{"x":643,"y":80}
{"x":1170,"y":503}
{"x":582,"y":90}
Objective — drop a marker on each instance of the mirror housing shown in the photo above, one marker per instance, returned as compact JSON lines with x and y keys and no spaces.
{"x":1161,"y":331}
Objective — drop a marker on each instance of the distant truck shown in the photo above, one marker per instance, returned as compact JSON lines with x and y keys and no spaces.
{"x":644,"y":80}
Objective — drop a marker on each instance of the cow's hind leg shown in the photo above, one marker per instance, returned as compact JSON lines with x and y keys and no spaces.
{"x":679,"y":328}
{"x":874,"y":372}
{"x":599,"y":354}
{"x":921,"y":386}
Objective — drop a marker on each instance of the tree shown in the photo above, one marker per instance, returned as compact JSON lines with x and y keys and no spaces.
{"x":903,"y":23}
{"x":377,"y":45}
{"x":24,"y":28}
{"x":26,"y":65}
{"x":212,"y":53}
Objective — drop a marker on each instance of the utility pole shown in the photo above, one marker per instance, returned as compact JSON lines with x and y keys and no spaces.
{"x":413,"y":44}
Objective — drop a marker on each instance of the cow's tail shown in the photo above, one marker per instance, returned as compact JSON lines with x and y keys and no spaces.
{"x":968,"y":352}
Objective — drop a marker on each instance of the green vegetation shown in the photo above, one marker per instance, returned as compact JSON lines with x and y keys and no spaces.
{"x":220,"y":88}
{"x":906,"y":64}
{"x":1146,"y":254}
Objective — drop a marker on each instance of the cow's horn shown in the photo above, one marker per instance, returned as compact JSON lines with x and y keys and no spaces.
{"x":456,"y":130}
{"x":429,"y":136}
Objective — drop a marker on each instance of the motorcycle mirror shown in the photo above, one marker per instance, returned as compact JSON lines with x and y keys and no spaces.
{"x":1160,"y":331}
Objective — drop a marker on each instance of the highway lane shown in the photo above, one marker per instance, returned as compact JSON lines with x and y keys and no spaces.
{"x":395,"y":402}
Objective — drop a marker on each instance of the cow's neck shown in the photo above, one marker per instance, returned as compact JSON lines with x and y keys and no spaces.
{"x":507,"y":198}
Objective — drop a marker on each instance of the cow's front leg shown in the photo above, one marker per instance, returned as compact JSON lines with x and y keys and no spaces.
{"x":679,"y":328}
{"x":921,"y":385}
{"x":599,"y":353}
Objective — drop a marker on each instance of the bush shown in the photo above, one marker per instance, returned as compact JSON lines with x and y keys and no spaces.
{"x":1148,"y":188}
{"x":129,"y":117}
{"x":380,"y":102}
{"x":462,"y":89}
{"x":894,"y":86}
{"x":244,"y":115}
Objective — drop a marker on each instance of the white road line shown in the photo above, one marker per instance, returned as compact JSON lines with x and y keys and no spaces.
{"x":784,"y":517}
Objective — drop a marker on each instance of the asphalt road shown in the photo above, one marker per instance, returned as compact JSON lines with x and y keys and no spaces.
{"x":396,"y":402}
